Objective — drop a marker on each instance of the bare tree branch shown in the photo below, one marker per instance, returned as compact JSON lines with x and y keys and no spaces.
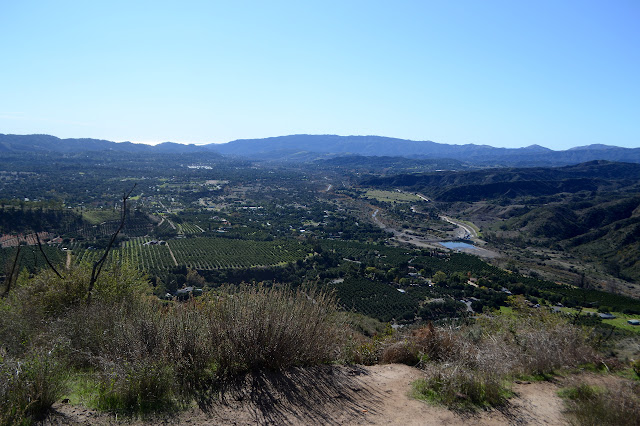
{"x":45,"y":256}
{"x":97,"y":266}
{"x":9,"y":279}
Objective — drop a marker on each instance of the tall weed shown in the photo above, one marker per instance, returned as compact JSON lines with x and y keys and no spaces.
{"x":29,"y":387}
{"x":618,"y":405}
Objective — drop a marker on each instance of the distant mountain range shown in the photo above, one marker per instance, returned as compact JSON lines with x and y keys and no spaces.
{"x":306,"y":148}
{"x":52,"y":144}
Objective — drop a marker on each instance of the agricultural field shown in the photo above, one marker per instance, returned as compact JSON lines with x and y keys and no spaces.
{"x":620,"y":320}
{"x":149,"y":254}
{"x":221,"y":253}
{"x":189,"y":229}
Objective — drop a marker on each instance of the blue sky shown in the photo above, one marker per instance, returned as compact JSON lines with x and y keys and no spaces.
{"x":502,"y":73}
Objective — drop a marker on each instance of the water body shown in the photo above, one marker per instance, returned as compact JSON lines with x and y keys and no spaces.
{"x":457,"y":245}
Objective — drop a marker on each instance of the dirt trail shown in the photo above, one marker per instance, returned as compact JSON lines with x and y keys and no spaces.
{"x":171,"y":253}
{"x":330,"y":395}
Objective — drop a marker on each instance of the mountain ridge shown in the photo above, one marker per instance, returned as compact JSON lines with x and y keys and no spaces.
{"x":305,"y":148}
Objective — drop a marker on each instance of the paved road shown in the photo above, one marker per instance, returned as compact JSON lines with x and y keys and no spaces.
{"x":466,"y":230}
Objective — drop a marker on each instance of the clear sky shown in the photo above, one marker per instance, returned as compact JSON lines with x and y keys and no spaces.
{"x":558,"y":73}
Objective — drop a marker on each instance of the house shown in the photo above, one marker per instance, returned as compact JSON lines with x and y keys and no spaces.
{"x":187,"y":292}
{"x":633,"y":322}
{"x":606,"y":316}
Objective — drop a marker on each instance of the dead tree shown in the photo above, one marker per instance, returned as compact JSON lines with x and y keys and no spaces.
{"x":46,"y":258}
{"x":9,"y":279}
{"x":97,"y":265}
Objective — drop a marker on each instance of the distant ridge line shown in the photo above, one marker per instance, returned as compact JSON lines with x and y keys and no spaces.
{"x":306,"y":148}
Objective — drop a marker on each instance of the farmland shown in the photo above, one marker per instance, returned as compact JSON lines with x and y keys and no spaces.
{"x":231,"y":222}
{"x":198,"y":253}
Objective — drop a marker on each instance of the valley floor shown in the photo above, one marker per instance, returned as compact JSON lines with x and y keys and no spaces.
{"x":333,"y":395}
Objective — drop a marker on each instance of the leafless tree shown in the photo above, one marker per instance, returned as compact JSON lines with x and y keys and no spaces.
{"x":9,"y":278}
{"x":46,"y":258}
{"x":97,"y":265}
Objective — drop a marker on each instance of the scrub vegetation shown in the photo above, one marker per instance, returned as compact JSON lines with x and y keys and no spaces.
{"x":136,"y":354}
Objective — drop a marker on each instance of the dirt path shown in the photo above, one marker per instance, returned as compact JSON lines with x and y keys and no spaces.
{"x":171,"y":253}
{"x":332,"y":395}
{"x":68,"y":264}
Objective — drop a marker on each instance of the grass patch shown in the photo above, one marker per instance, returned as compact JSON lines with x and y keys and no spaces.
{"x":95,"y":217}
{"x":83,"y":389}
{"x":506,"y":310}
{"x":462,"y":389}
{"x":619,"y":322}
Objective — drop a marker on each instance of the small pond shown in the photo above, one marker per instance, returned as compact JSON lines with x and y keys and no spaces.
{"x":456,"y":245}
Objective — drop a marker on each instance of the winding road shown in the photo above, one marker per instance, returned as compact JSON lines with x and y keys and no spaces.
{"x":464,"y":231}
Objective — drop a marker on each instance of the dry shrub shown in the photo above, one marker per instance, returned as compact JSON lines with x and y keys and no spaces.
{"x":48,"y":296}
{"x":533,"y":342}
{"x":468,"y":366}
{"x":139,"y":347}
{"x":189,"y":344}
{"x":142,"y":386}
{"x":272,"y":328}
{"x":145,"y":354}
{"x":149,"y":354}
{"x":403,"y":352}
{"x":362,"y":350}
{"x":425,"y":344}
{"x":439,"y":344}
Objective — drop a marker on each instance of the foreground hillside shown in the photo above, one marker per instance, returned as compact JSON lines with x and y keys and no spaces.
{"x":367,"y":395}
{"x":85,"y":351}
